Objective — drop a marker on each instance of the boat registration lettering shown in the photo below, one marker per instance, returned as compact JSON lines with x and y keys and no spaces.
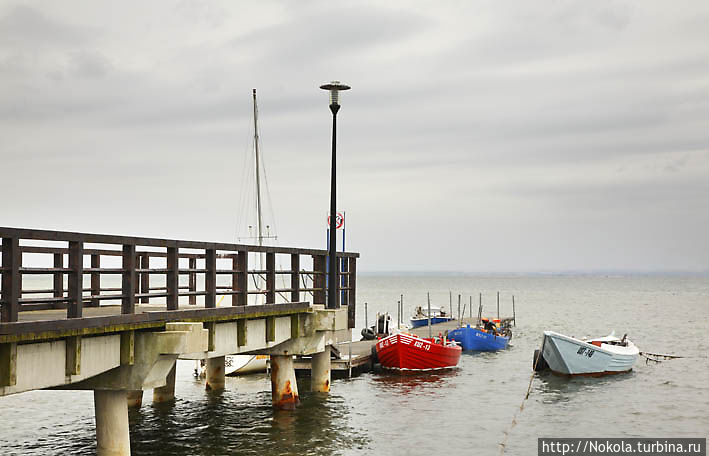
{"x":585,"y":351}
{"x":420,"y":344}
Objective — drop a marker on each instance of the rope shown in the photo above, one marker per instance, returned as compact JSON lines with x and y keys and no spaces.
{"x":660,"y":355}
{"x":305,"y":285}
{"x":657,"y":357}
{"x":507,"y":431}
{"x":260,"y":276}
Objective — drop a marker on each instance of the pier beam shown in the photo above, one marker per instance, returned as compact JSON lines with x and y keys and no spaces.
{"x":284,"y":389}
{"x":134,"y":398}
{"x":112,"y":435}
{"x":166,"y":393}
{"x":215,"y":373}
{"x":320,"y":372}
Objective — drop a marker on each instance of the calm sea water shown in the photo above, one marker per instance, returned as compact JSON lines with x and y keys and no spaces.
{"x":463,"y":411}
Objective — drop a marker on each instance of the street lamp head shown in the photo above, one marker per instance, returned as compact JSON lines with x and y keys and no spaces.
{"x":335,"y":87}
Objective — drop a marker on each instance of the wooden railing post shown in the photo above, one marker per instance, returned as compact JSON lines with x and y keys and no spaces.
{"x":337,"y":283}
{"x":295,"y":277}
{"x":192,"y":281}
{"x":210,"y":278}
{"x":11,"y":261}
{"x":145,"y":277}
{"x":270,"y":278}
{"x":129,"y":280}
{"x":319,"y":262}
{"x":240,"y":280}
{"x":352,"y":285}
{"x":173,"y":278}
{"x":95,"y":279}
{"x":342,"y":264}
{"x":58,"y":276}
{"x":76,"y":280}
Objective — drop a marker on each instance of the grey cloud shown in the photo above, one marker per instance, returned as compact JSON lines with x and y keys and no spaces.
{"x":508,"y":125}
{"x":27,"y":27}
{"x":85,"y":64}
{"x":330,"y":34}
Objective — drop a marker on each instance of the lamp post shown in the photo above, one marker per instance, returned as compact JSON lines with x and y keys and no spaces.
{"x":334,"y":88}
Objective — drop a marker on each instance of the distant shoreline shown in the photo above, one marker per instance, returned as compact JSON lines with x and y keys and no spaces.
{"x":609,"y":273}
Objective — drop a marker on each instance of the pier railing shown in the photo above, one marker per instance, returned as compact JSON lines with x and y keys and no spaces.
{"x":147,"y":271}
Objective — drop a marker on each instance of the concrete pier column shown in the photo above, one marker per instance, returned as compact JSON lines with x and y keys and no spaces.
{"x":166,"y":393}
{"x":134,"y":398}
{"x":320,"y":372}
{"x":112,"y":436}
{"x":284,"y":389}
{"x":215,"y":373}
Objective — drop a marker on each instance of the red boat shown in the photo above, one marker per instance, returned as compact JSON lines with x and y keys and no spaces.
{"x":407,"y":352}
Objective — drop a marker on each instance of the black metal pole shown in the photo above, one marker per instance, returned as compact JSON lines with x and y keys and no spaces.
{"x":332,"y":268}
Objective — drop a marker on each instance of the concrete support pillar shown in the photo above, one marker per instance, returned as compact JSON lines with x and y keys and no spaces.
{"x":134,"y":398}
{"x":320,"y":372}
{"x":112,"y":436}
{"x":284,"y":389}
{"x":215,"y":373}
{"x":166,"y":393}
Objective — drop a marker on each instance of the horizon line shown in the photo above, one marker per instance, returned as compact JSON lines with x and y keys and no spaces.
{"x":571,"y":272}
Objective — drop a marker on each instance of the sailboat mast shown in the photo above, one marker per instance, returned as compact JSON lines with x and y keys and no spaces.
{"x":259,"y":221}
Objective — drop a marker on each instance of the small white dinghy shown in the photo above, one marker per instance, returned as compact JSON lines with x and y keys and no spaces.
{"x":593,"y":357}
{"x":236,"y":365}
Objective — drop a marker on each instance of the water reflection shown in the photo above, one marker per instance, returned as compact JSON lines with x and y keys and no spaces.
{"x":414,"y":382}
{"x":556,"y":388}
{"x":230,"y":423}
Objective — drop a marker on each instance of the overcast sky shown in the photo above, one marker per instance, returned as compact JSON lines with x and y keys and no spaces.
{"x":480,"y":136}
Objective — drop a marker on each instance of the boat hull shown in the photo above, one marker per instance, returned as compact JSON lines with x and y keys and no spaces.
{"x":406,"y":352}
{"x":568,"y":356}
{"x":238,"y":365}
{"x":418,"y":322}
{"x":473,"y":339}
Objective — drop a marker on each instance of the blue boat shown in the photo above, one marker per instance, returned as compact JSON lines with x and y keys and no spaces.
{"x":475,"y":339}
{"x":420,"y":317}
{"x":418,"y":322}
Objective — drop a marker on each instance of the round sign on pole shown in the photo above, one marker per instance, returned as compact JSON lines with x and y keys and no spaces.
{"x":339,"y":221}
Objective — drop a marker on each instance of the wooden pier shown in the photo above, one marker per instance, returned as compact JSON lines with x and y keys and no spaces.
{"x":73,"y":329}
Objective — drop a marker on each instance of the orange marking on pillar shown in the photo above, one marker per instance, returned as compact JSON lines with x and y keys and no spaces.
{"x":287,"y":400}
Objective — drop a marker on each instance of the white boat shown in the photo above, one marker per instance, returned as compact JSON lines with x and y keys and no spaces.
{"x":236,"y":365}
{"x":592,"y":357}
{"x":244,"y":364}
{"x":420,"y":317}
